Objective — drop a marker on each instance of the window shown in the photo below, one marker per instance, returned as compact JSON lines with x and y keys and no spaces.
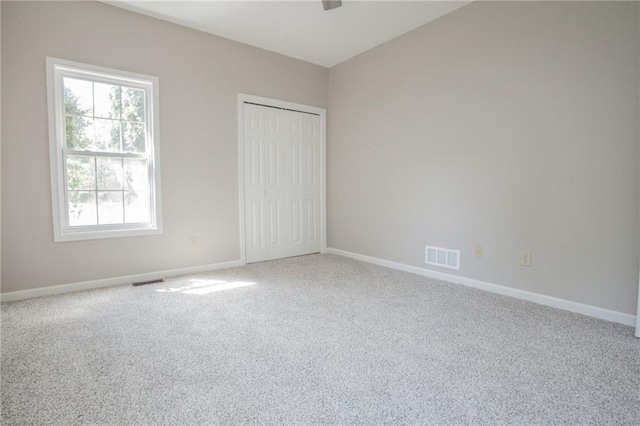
{"x":103,"y":128}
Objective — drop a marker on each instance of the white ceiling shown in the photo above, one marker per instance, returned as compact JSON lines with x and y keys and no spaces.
{"x":299,"y":28}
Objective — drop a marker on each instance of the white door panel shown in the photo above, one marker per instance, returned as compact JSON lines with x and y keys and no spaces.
{"x":282,"y":195}
{"x":254,"y":183}
{"x":275,"y":135}
{"x":311,"y":139}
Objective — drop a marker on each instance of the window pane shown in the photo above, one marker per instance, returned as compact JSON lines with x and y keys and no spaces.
{"x":136,"y":174}
{"x":110,"y":207}
{"x":109,"y":173}
{"x":79,"y":131}
{"x":133,"y":137}
{"x":136,"y":207}
{"x":107,"y":100}
{"x":107,"y":135}
{"x":82,"y":208}
{"x":78,"y":97}
{"x":133,"y":104}
{"x":105,"y":145}
{"x":81,"y":172}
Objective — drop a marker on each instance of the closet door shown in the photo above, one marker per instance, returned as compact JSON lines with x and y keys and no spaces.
{"x":296,"y":182}
{"x":254,"y":183}
{"x":277,"y":216}
{"x":282,"y":191}
{"x":311,"y":180}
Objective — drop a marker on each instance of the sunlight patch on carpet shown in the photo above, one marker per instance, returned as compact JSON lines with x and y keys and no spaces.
{"x":206,"y":286}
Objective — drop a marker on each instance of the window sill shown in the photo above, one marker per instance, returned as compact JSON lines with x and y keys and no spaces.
{"x":61,"y":237}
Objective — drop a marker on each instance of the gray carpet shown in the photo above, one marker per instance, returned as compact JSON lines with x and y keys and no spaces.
{"x":316,"y":340}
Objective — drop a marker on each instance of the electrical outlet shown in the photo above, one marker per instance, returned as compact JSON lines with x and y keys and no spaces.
{"x":477,"y":252}
{"x":525,"y":259}
{"x":193,"y":241}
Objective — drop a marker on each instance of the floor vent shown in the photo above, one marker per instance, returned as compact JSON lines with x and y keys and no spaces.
{"x":445,"y":258}
{"x":148,"y":282}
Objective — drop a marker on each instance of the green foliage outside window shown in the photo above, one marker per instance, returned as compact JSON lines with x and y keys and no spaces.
{"x":118,"y":127}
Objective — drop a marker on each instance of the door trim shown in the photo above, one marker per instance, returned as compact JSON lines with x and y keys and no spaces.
{"x":275,"y":103}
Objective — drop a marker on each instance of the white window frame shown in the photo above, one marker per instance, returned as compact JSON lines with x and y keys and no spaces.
{"x":56,"y":70}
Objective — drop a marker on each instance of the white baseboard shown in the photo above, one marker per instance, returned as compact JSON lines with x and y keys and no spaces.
{"x":567,"y":305}
{"x":107,"y":282}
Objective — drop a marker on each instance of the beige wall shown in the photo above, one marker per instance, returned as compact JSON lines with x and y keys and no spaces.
{"x":1,"y":146}
{"x":510,"y":125}
{"x":200,"y":77}
{"x":638,"y":309}
{"x":513,"y":125}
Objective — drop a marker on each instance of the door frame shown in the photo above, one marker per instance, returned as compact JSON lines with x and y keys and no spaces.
{"x":275,"y":103}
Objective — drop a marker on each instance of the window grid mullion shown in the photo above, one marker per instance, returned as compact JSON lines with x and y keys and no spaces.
{"x":66,"y":187}
{"x":121,"y":133}
{"x":120,"y":117}
{"x":95,"y":158}
{"x":68,"y":151}
{"x":93,"y":113}
{"x":124,"y":217}
{"x":95,"y":164}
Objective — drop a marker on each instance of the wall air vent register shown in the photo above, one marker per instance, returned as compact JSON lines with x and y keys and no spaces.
{"x":445,"y":258}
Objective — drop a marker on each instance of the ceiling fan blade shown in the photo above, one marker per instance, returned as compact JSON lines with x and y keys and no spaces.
{"x":331,"y":4}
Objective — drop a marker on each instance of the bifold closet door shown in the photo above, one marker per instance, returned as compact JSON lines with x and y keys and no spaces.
{"x":281,"y":183}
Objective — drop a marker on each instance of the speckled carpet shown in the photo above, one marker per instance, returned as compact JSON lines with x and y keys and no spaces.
{"x":311,"y":340}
